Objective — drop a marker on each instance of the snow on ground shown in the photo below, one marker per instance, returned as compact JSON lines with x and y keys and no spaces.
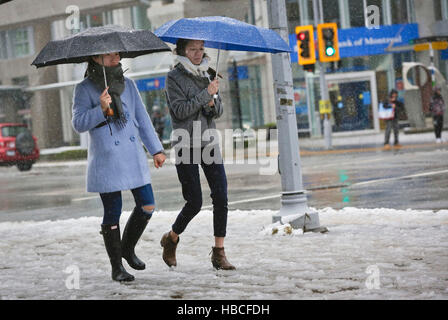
{"x":368,"y":254}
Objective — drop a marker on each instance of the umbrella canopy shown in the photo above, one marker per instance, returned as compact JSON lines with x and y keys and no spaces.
{"x":79,"y":47}
{"x":223,"y":33}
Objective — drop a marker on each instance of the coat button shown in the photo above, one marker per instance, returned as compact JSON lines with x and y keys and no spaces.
{"x":132,"y":138}
{"x":117,"y":142}
{"x":127,"y":114}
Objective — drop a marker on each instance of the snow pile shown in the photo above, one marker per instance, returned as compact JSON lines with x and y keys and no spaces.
{"x":368,"y":254}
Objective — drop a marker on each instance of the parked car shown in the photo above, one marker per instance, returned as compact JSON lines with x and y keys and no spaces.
{"x":17,"y":146}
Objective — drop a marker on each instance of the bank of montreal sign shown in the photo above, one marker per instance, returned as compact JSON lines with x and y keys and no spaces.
{"x":356,"y":42}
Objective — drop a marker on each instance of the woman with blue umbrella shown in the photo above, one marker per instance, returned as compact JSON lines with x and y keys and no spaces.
{"x":193,"y":100}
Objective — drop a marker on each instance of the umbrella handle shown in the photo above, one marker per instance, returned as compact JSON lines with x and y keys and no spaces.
{"x":215,"y":96}
{"x":109,"y":111}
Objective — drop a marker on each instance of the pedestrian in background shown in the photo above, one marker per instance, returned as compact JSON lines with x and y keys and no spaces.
{"x":437,"y":108}
{"x":191,"y":87}
{"x":158,"y":121}
{"x":392,"y":124}
{"x":116,"y":158}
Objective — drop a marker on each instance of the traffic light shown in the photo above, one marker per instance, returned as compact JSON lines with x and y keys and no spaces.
{"x":327,"y":36}
{"x":306,"y":50}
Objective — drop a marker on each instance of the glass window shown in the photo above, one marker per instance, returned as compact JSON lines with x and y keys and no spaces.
{"x":20,"y":81}
{"x":3,"y":45}
{"x":20,"y":42}
{"x":292,"y":12}
{"x":331,"y":11}
{"x":140,"y":18}
{"x":12,"y":131}
{"x":399,"y":11}
{"x":356,"y":13}
{"x":16,"y":43}
{"x":438,"y":10}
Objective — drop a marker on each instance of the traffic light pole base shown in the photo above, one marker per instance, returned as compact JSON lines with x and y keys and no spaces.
{"x":295,"y":211}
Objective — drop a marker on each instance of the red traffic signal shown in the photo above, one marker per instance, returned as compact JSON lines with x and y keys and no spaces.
{"x":305,"y":45}
{"x":302,"y":36}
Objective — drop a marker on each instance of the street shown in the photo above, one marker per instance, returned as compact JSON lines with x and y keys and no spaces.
{"x":385,"y":211}
{"x":415,"y":178}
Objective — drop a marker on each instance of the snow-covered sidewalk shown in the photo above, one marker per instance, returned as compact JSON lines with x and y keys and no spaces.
{"x":368,"y":254}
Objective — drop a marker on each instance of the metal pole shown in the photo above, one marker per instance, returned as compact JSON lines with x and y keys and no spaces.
{"x":294,"y":208}
{"x":432,"y":66}
{"x":237,"y":93}
{"x":323,"y":84}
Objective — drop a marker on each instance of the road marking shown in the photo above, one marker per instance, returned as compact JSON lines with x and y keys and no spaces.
{"x":85,"y":198}
{"x":398,"y":178}
{"x":248,"y":200}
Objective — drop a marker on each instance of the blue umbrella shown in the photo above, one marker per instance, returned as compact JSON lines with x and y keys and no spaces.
{"x":223,"y":33}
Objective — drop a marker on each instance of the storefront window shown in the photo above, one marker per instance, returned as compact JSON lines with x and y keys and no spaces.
{"x":19,"y":41}
{"x":331,"y":11}
{"x":140,"y":18}
{"x":399,"y":11}
{"x":356,"y":13}
{"x":246,"y":96}
{"x":293,"y":13}
{"x":440,"y":9}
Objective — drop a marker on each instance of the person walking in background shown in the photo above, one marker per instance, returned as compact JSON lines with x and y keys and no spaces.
{"x":117,"y":123}
{"x":158,"y":121}
{"x":392,"y":102}
{"x":437,"y":108}
{"x":190,"y":91}
{"x":167,"y":124}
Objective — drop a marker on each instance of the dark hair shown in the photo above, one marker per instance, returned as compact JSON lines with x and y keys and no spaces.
{"x":90,"y":64}
{"x":393,"y":91}
{"x":181,"y":44}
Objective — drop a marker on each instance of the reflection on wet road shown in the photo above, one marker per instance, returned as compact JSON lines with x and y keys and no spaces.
{"x":416,"y":179}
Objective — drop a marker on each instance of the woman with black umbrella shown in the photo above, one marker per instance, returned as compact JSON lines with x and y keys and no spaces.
{"x":117,"y":122}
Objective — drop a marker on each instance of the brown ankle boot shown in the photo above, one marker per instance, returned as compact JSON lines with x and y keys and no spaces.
{"x":219,"y":259}
{"x":169,"y":249}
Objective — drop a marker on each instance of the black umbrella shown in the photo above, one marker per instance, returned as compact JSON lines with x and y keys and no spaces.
{"x":79,"y":47}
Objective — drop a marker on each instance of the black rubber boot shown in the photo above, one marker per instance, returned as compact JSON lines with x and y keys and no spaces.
{"x":132,"y":232}
{"x":111,"y":236}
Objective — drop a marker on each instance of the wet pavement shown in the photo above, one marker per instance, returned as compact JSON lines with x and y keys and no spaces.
{"x":414,"y":176}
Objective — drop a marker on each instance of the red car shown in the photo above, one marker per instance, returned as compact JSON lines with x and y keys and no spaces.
{"x":17,"y":146}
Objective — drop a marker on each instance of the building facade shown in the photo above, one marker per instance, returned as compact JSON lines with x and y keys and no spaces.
{"x":357,"y":83}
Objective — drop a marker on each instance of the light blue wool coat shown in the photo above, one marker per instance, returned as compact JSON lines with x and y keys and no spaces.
{"x":118,"y":161}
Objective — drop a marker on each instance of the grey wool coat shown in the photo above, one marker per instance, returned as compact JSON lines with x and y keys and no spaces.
{"x":188,"y":99}
{"x":118,"y":161}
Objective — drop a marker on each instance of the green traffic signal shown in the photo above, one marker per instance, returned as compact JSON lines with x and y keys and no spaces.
{"x":330,"y":51}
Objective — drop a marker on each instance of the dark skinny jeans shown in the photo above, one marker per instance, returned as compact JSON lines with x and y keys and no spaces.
{"x":189,"y":177}
{"x":438,"y":125}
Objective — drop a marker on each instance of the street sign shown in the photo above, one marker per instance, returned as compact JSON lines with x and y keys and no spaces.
{"x":325,"y":107}
{"x":437,"y":45}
